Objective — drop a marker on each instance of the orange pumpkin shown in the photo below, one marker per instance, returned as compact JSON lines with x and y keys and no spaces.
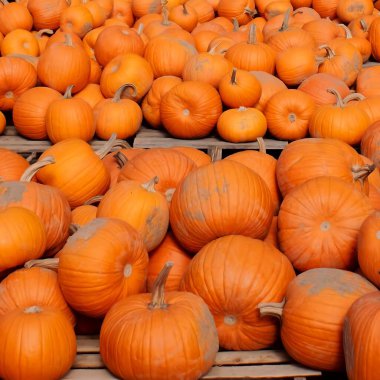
{"x":89,"y":40}
{"x":20,"y":41}
{"x":190,"y":109}
{"x":233,"y":274}
{"x":195,"y":220}
{"x":204,"y":9}
{"x":3,"y":122}
{"x":91,"y":94}
{"x":12,"y":165}
{"x":69,"y":117}
{"x":14,"y":16}
{"x":76,"y":19}
{"x":84,"y":214}
{"x":315,"y":339}
{"x":368,"y":81}
{"x":323,"y":30}
{"x":46,"y":14}
{"x":348,"y":10}
{"x":143,"y":7}
{"x":373,"y":37}
{"x":242,"y":10}
{"x":199,"y":157}
{"x":98,"y":14}
{"x":142,"y":315}
{"x":122,"y":10}
{"x":185,"y":16}
{"x":370,"y":143}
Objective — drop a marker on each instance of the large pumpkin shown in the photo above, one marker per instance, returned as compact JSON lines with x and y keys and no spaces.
{"x":233,"y":274}
{"x":12,"y":165}
{"x":159,"y":336}
{"x":316,"y":303}
{"x":222,"y":198}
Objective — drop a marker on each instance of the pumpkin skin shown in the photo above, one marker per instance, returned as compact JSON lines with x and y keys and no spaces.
{"x":288,"y":113}
{"x":141,"y":206}
{"x":91,"y":94}
{"x":319,"y":222}
{"x":214,"y":273}
{"x":14,"y":16}
{"x":46,"y":13}
{"x":369,"y":248}
{"x":107,"y":253}
{"x":368,"y":82}
{"x":28,"y":346}
{"x":315,"y":339}
{"x":175,"y":328}
{"x":348,"y":10}
{"x":370,"y":143}
{"x":30,"y":109}
{"x":12,"y":165}
{"x":84,"y":214}
{"x":23,"y":237}
{"x":168,"y":250}
{"x":360,"y":332}
{"x":199,"y":157}
{"x":32,"y":286}
{"x":190,"y":109}
{"x":20,"y":41}
{"x":195,"y":220}
{"x":3,"y":122}
{"x":76,"y":19}
{"x":373,"y":37}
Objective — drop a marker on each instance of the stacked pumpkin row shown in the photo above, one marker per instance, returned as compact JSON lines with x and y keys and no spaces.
{"x":189,"y":67}
{"x":243,"y":233}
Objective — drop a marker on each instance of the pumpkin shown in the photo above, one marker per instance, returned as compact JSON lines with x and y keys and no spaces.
{"x":69,"y":117}
{"x":89,"y":40}
{"x":373,"y":37}
{"x":304,"y":14}
{"x":185,"y":16}
{"x":160,"y":319}
{"x":169,"y":165}
{"x":204,"y":9}
{"x":323,"y":30}
{"x":67,"y":58}
{"x":143,"y":7}
{"x":32,"y":286}
{"x":84,"y":214}
{"x":241,"y":10}
{"x":339,"y":121}
{"x":168,"y":250}
{"x":369,"y":105}
{"x":241,"y":125}
{"x":76,"y":19}
{"x":115,"y":40}
{"x":367,"y":82}
{"x":359,"y":26}
{"x":3,"y":122}
{"x":190,"y":109}
{"x":318,"y":216}
{"x":141,"y":206}
{"x":264,"y":165}
{"x":368,"y":248}
{"x":240,"y":88}
{"x":288,"y":113}
{"x":348,"y":10}
{"x":360,"y":332}
{"x":195,"y":220}
{"x":23,"y":237}
{"x":317,"y":86}
{"x":118,"y":116}
{"x":369,"y":145}
{"x":110,"y":255}
{"x":362,"y":44}
{"x":278,"y":7}
{"x":23,"y":340}
{"x":62,"y":37}
{"x":315,"y":339}
{"x":12,"y":165}
{"x":106,"y":5}
{"x":272,"y":238}
{"x":150,"y":105}
{"x":97,"y":13}
{"x":16,"y":76}
{"x":126,"y":68}
{"x":20,"y":41}
{"x":233,"y":274}
{"x":14,"y":16}
{"x":122,"y":10}
{"x":326,"y":9}
{"x":46,"y":13}
{"x":199,"y":157}
{"x":91,"y":94}
{"x":312,"y":157}
{"x":74,"y":168}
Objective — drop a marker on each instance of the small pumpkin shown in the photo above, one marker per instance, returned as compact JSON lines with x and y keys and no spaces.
{"x":20,"y":41}
{"x":46,"y":14}
{"x":13,"y":16}
{"x":76,"y":19}
{"x":91,"y":94}
{"x":12,"y":165}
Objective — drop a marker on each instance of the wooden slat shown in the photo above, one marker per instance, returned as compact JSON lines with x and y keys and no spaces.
{"x":87,"y":346}
{"x":251,"y":357}
{"x":152,"y":138}
{"x":88,"y":361}
{"x":370,"y":64}
{"x":88,"y":374}
{"x":260,"y":372}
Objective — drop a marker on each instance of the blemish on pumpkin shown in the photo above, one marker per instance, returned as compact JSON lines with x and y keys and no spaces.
{"x":378,"y":235}
{"x":127,"y":270}
{"x":292,"y":117}
{"x":325,"y":226}
{"x":11,"y":192}
{"x":9,"y":94}
{"x":32,"y":310}
{"x":26,"y":45}
{"x":230,"y":320}
{"x":185,"y":112}
{"x":87,"y":231}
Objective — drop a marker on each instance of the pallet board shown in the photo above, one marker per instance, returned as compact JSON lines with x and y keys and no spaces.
{"x":262,"y":364}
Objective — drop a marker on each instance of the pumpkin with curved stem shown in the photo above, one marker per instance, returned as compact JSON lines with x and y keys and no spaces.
{"x":340,"y":122}
{"x":195,"y":220}
{"x":69,"y":117}
{"x":368,"y":248}
{"x":16,"y":76}
{"x":126,"y":68}
{"x":46,"y":14}
{"x":264,"y":165}
{"x":120,"y":116}
{"x":360,"y":332}
{"x":169,"y":165}
{"x":23,"y":237}
{"x":185,"y":16}
{"x":141,"y":206}
{"x":348,"y":10}
{"x":12,"y":165}
{"x":14,"y":16}
{"x":288,"y":113}
{"x":32,"y":286}
{"x":233,"y":274}
{"x":242,"y":10}
{"x":169,"y":321}
{"x":28,"y":346}
{"x":67,"y":58}
{"x":241,"y":124}
{"x":150,"y":105}
{"x":315,"y":339}
{"x":359,"y":26}
{"x":318,"y":216}
{"x":76,"y":19}
{"x":115,"y":40}
{"x":240,"y":88}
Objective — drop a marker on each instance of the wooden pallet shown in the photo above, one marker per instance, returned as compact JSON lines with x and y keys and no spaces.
{"x":263,"y":364}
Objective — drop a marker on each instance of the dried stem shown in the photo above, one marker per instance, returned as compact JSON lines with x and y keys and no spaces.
{"x":149,"y":186}
{"x":51,"y":263}
{"x":33,"y":169}
{"x":273,"y":309}
{"x":158,"y":293}
{"x":339,"y":100}
{"x":117,"y":97}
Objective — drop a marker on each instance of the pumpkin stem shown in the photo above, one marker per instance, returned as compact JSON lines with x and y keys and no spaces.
{"x":68,"y":39}
{"x":33,"y":310}
{"x":353,"y":96}
{"x":330,"y":52}
{"x":285,"y":22}
{"x":44,"y":31}
{"x":165,"y":13}
{"x":364,"y":25}
{"x":33,"y":169}
{"x":51,"y":263}
{"x":235,"y":23}
{"x":68,"y":94}
{"x":252,"y":34}
{"x":5,"y":2}
{"x":120,"y":158}
{"x":361,"y":173}
{"x":73,"y":228}
{"x":95,"y":199}
{"x":158,"y":293}
{"x":339,"y":100}
{"x":31,"y":157}
{"x":149,"y":186}
{"x":250,"y":12}
{"x":233,"y":76}
{"x":262,"y":147}
{"x":347,"y":31}
{"x":273,"y":309}
{"x":216,"y":153}
{"x":169,"y":194}
{"x":29,"y":58}
{"x":140,"y":29}
{"x":184,"y":9}
{"x":117,"y":97}
{"x":111,"y":144}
